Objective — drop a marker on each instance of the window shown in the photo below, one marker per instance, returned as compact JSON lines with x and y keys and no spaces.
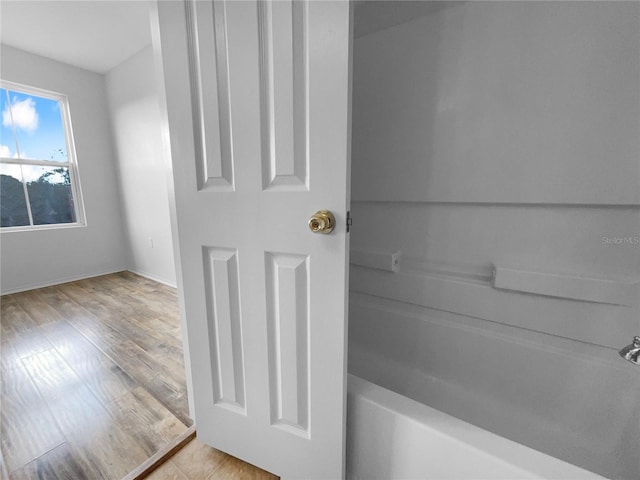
{"x":38,"y":175}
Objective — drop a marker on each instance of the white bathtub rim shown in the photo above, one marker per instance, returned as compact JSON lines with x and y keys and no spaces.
{"x":526,"y":462}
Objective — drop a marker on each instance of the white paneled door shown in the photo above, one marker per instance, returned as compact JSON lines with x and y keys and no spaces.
{"x":257,"y":99}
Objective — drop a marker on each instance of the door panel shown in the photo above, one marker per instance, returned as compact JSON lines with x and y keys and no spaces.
{"x":288,"y":333}
{"x":210,"y":94}
{"x":285,"y":96}
{"x":258,"y":109}
{"x":225,"y":329}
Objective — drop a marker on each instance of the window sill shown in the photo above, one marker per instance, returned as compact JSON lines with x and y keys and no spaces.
{"x":31,"y":228}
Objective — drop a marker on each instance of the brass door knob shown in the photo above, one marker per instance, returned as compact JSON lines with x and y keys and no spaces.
{"x":322,"y":221}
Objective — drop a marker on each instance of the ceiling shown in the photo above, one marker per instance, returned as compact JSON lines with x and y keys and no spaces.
{"x":95,"y":35}
{"x":373,"y":15}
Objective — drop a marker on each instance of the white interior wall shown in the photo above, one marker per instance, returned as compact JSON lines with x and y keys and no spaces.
{"x":503,"y":133}
{"x":36,"y":258}
{"x":135,"y":120}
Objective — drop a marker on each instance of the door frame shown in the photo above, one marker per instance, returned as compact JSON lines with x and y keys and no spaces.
{"x":165,"y":134}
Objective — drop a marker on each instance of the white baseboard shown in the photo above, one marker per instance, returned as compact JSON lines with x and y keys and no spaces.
{"x":58,"y":281}
{"x":153,"y":277}
{"x":73,"y":278}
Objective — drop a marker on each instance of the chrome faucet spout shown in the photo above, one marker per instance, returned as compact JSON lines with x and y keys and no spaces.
{"x":631,"y":352}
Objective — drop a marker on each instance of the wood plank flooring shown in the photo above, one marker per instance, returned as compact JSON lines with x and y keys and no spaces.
{"x":93,"y":379}
{"x":197,"y":461}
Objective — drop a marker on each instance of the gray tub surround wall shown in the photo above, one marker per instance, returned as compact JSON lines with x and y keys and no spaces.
{"x":496,"y":206}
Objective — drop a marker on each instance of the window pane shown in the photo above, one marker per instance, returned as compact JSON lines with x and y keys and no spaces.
{"x":39,"y":128}
{"x":49,"y":194}
{"x":13,"y":206}
{"x":7,"y":141}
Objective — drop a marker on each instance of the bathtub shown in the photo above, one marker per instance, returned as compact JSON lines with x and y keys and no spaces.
{"x":390,"y":436}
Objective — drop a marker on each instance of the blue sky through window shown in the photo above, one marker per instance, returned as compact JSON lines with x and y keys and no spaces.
{"x":38,"y":125}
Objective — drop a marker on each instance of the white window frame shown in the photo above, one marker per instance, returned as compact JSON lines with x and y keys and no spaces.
{"x":71,"y":163}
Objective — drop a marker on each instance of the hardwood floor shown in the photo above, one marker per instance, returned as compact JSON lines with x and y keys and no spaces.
{"x":197,"y":461}
{"x":93,"y":378}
